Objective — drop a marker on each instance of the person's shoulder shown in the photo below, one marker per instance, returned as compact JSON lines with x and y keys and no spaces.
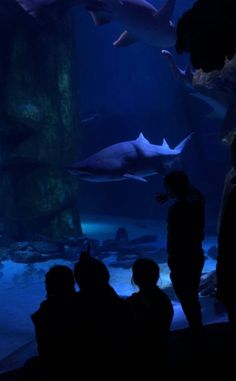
{"x":162,"y":293}
{"x":174,"y":206}
{"x":196,"y":194}
{"x":112,"y":294}
{"x":37,"y":315}
{"x":77,"y":296}
{"x":195,"y":190}
{"x":133,"y":297}
{"x":163,"y":296}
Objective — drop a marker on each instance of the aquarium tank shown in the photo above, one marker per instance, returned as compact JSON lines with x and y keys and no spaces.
{"x":86,"y":97}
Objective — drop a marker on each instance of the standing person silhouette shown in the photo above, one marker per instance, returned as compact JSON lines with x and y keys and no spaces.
{"x":185,"y":233}
{"x":226,"y":260}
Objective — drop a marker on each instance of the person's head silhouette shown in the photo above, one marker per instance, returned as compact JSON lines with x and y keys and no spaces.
{"x":59,"y":280}
{"x":146,"y":273}
{"x":177,"y":184}
{"x":90,"y":273}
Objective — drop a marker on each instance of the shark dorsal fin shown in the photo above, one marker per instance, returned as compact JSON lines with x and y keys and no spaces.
{"x":165,"y":144}
{"x":167,"y":10}
{"x":141,"y":138}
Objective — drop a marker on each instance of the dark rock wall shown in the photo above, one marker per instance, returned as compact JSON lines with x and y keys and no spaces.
{"x":39,"y":133}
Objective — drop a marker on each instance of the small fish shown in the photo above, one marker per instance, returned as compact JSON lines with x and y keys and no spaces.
{"x":89,"y":117}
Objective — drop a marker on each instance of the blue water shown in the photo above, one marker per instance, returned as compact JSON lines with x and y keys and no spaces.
{"x":132,"y":90}
{"x":120,"y":93}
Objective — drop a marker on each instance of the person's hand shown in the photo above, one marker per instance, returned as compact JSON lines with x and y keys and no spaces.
{"x":161,"y":198}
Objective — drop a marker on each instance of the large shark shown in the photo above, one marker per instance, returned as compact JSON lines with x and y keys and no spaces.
{"x":140,"y":19}
{"x":134,"y":159}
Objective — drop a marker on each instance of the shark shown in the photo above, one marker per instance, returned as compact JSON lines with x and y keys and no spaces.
{"x":128,"y":160}
{"x":218,"y":105}
{"x":141,"y":20}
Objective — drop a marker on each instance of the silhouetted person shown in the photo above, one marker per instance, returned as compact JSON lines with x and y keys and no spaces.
{"x":55,"y":322}
{"x":226,"y":261}
{"x":152,"y":313}
{"x":106,"y":320}
{"x":185,"y":233}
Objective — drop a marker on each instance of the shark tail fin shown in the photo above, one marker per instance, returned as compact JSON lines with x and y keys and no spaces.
{"x":179,"y":148}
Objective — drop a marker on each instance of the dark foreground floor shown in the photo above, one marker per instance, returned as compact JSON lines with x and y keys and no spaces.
{"x":212,"y":352}
{"x":190,"y":355}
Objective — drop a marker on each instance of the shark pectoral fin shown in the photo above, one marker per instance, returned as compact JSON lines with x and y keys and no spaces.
{"x":100,"y":18}
{"x":134,"y":177}
{"x":125,"y":39}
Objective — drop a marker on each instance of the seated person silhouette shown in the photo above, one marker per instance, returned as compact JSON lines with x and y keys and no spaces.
{"x":105,"y":316}
{"x":55,"y":322}
{"x":152,"y":312}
